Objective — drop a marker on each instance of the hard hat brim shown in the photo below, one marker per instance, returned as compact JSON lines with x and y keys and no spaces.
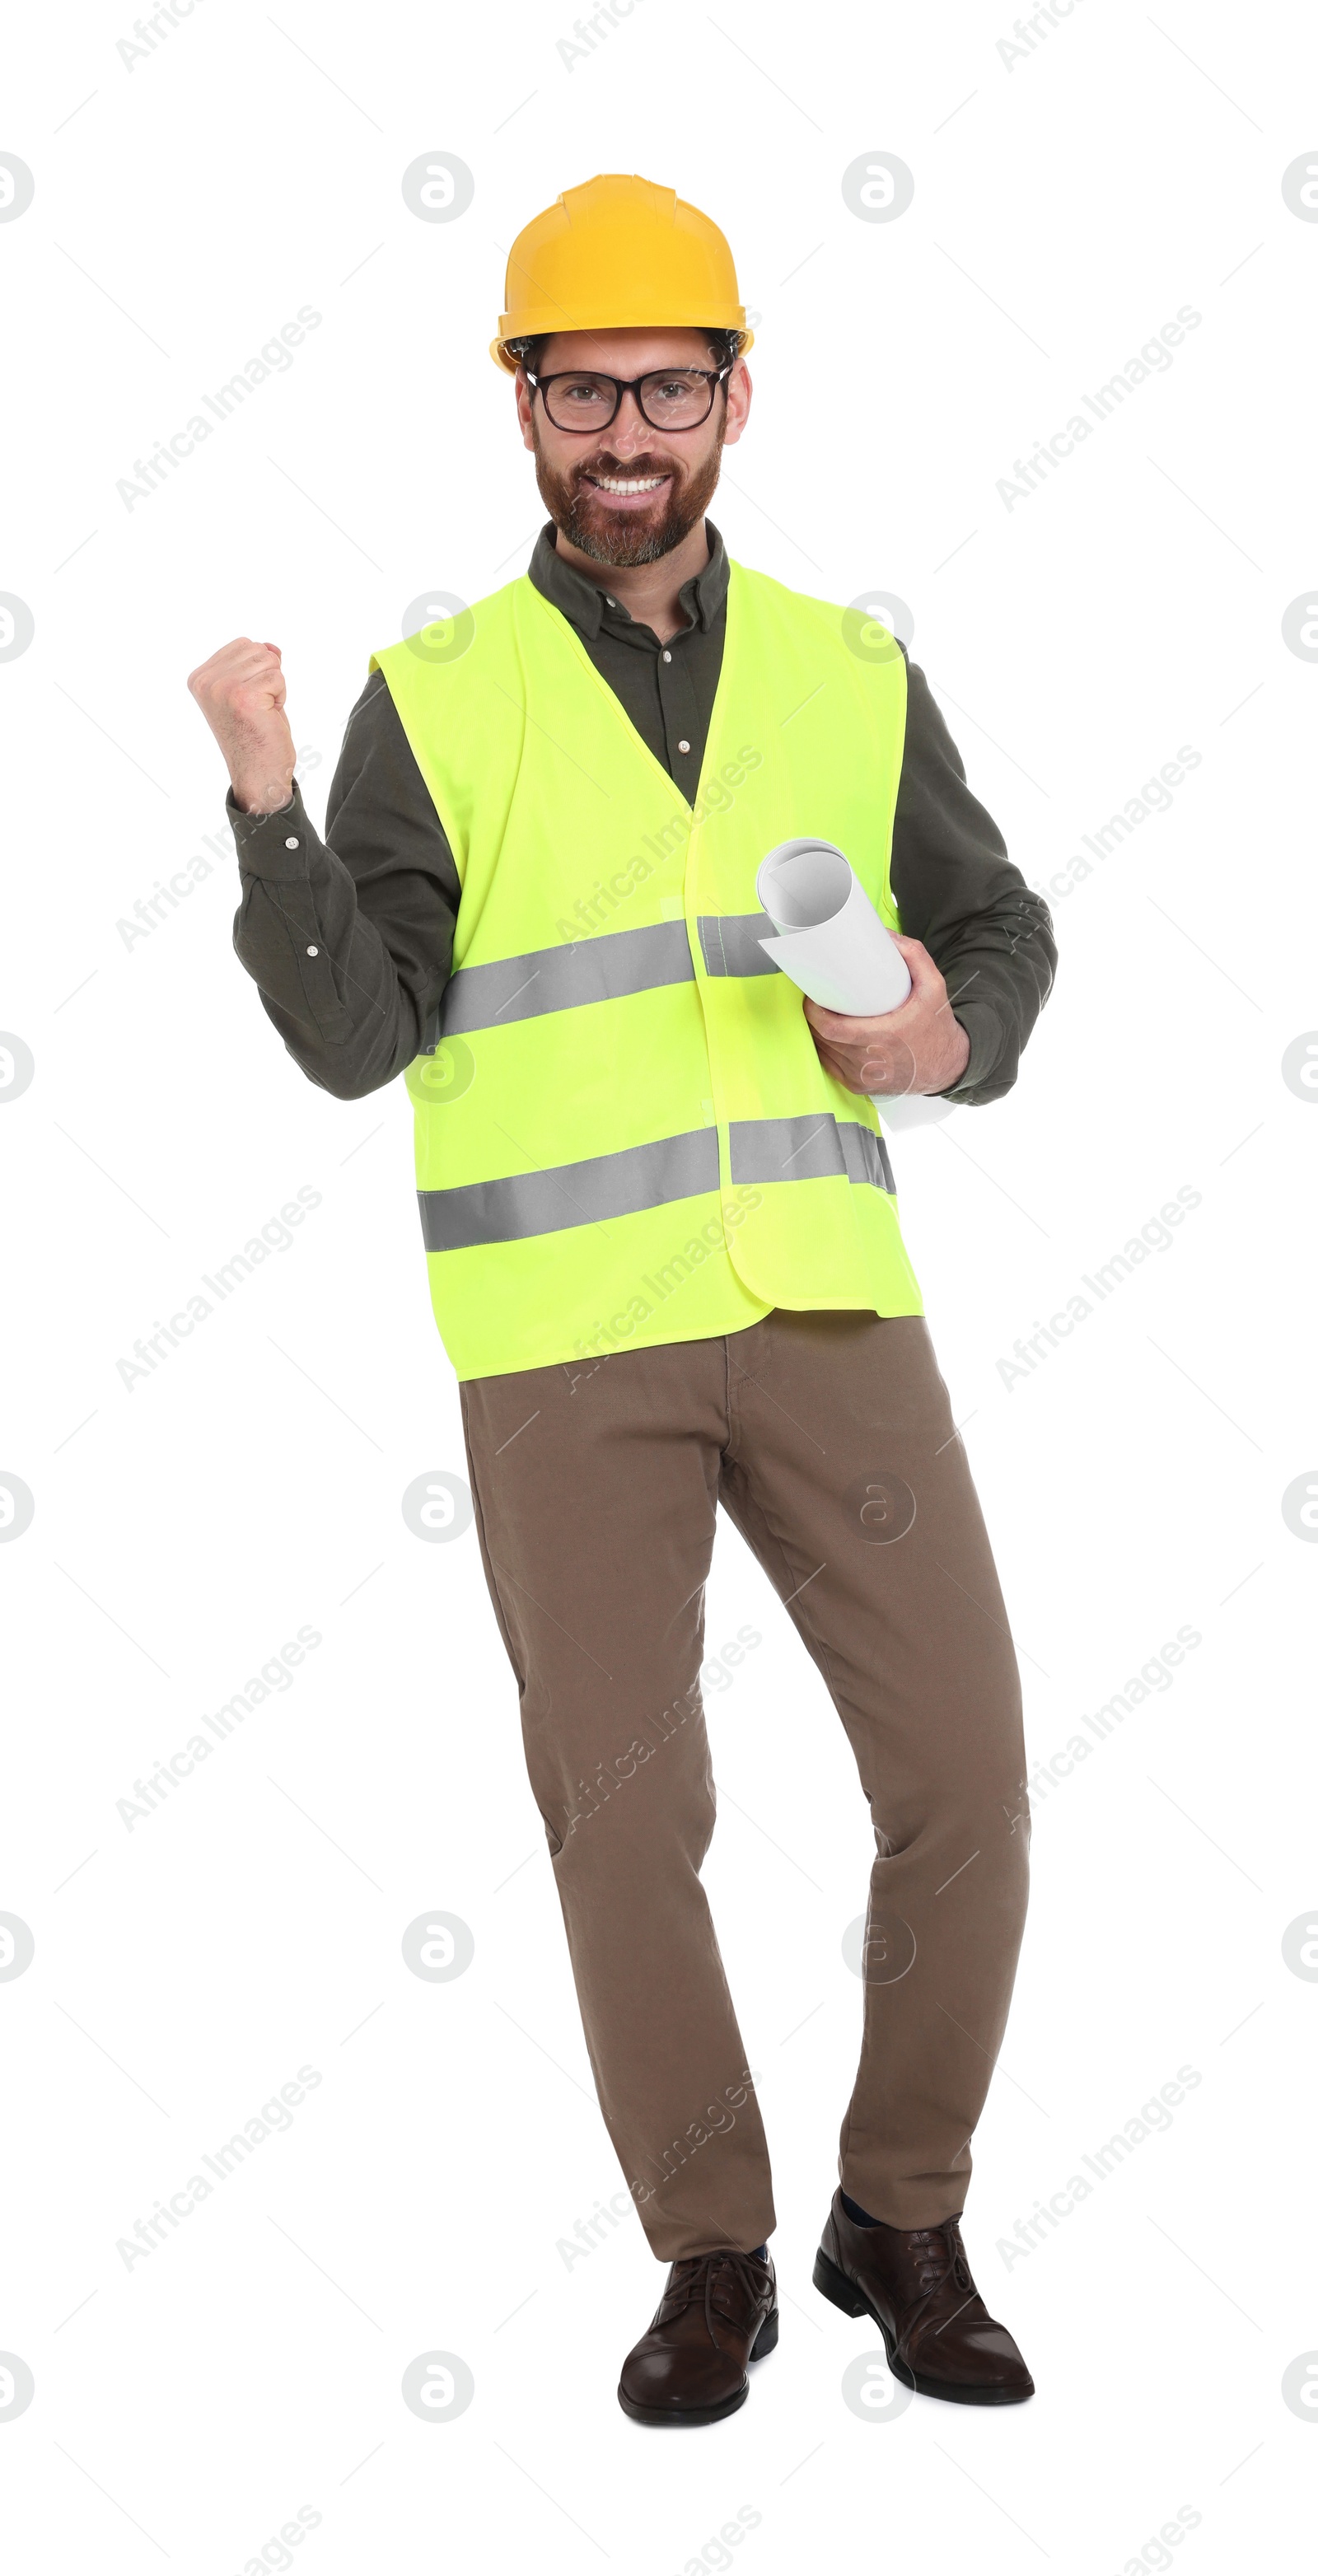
{"x":530,"y":326}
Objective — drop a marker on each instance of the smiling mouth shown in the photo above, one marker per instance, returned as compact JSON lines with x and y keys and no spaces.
{"x":626,"y":486}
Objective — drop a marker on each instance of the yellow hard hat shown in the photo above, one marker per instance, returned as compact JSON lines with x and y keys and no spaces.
{"x":614,"y":254}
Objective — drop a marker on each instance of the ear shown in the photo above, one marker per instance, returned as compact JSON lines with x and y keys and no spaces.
{"x":738,"y":403}
{"x":523,"y":397}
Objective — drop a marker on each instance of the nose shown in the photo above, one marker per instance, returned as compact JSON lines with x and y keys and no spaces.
{"x":629,"y":427}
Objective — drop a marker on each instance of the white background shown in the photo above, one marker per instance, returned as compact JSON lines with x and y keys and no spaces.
{"x":1066,"y":205}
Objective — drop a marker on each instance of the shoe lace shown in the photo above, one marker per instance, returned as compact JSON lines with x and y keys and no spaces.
{"x":940,"y":2256}
{"x":716,"y":2278}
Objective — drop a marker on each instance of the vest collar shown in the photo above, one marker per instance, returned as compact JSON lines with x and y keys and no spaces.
{"x":586,"y":606}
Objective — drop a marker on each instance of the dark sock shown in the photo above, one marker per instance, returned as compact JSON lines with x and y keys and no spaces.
{"x":761,"y":2252}
{"x":858,"y":2216}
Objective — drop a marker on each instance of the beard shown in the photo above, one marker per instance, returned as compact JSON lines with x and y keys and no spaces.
{"x":635,"y":536}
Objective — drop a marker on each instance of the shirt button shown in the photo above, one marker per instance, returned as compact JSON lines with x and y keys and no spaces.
{"x":668,"y":657}
{"x":684,"y":746}
{"x":313,"y":952}
{"x":291,"y":842}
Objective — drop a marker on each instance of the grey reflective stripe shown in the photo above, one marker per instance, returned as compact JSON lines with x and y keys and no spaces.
{"x":608,"y":1185}
{"x":808,"y":1149}
{"x":866,"y":1156}
{"x":559,"y":979}
{"x":730,"y":943}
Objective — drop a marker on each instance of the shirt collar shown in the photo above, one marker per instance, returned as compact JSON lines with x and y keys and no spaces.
{"x":587,"y":606}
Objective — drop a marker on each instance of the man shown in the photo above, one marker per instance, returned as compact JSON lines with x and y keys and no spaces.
{"x":664,"y":1249}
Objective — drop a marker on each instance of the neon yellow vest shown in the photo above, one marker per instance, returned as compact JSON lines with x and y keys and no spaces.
{"x":624,"y":1135}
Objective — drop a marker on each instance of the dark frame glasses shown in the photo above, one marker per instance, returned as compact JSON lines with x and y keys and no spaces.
{"x":712,"y":376}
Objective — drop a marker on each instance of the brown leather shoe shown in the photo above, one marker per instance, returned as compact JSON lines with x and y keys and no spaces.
{"x":915,"y":2282}
{"x":718,"y":2312}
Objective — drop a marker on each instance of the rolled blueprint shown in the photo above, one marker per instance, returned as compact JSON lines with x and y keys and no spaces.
{"x":832,"y":944}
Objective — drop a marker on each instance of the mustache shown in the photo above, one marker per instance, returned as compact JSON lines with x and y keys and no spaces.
{"x":633,"y":469}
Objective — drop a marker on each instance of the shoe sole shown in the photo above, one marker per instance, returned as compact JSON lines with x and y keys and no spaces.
{"x":764,"y":2343}
{"x":853,"y":2303}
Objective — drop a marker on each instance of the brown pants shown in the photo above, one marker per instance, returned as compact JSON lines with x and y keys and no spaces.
{"x":828,"y":1439}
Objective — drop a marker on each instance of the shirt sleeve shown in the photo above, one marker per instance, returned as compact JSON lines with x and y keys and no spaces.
{"x":349,"y":939}
{"x":957,"y":892}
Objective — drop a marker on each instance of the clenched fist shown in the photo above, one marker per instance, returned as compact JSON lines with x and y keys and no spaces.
{"x":919,"y":1047}
{"x":240,"y":692}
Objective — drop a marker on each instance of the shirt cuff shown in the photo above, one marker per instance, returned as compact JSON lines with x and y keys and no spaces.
{"x":984,"y":1030}
{"x":275,"y":846}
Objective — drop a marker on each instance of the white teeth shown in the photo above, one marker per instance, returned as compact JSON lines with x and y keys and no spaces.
{"x":613,"y":483}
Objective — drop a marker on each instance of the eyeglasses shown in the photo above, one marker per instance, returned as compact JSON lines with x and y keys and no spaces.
{"x":668,"y":398}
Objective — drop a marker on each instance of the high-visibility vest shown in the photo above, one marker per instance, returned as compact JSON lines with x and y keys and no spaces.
{"x":624,"y":1135}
